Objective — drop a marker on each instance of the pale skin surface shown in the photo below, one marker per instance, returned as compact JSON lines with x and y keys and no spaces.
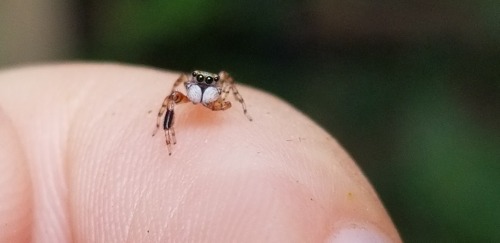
{"x":78,"y":163}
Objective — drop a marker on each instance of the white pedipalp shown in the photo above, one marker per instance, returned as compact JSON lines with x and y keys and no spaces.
{"x":210,"y":94}
{"x":194,"y":93}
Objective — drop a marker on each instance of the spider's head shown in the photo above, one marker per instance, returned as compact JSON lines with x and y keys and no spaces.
{"x":203,"y":87}
{"x":204,"y":78}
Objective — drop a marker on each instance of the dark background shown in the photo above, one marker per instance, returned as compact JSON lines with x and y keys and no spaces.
{"x":410,"y":88}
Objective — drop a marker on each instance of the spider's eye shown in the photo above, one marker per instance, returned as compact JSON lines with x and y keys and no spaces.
{"x":216,"y":78}
{"x":194,"y":73}
{"x":209,"y":80}
{"x":200,"y":78}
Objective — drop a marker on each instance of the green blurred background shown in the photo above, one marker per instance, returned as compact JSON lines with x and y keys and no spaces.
{"x":410,"y":88}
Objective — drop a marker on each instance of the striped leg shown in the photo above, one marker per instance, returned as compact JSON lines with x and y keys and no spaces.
{"x":168,"y":122}
{"x":176,"y":96}
{"x":228,"y":84}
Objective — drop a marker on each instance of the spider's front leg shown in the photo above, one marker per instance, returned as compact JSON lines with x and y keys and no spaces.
{"x":176,"y":96}
{"x":168,"y":122}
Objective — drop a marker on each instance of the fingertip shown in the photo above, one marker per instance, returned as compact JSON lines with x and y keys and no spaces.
{"x":281,"y":167}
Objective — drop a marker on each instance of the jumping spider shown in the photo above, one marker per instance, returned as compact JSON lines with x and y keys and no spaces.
{"x":204,"y":88}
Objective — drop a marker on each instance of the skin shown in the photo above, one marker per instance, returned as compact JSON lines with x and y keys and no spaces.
{"x":78,"y":163}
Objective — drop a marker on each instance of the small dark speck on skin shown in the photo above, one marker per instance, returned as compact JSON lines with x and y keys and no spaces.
{"x":148,"y":231}
{"x":311,"y":199}
{"x":149,"y":112}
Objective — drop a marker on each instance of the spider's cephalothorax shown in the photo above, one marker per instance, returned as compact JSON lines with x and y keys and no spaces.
{"x":204,"y":88}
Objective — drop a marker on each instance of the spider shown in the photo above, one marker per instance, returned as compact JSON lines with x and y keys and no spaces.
{"x":204,"y":88}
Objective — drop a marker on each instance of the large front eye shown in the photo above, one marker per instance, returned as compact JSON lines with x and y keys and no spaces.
{"x":209,"y":80}
{"x":200,"y":78}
